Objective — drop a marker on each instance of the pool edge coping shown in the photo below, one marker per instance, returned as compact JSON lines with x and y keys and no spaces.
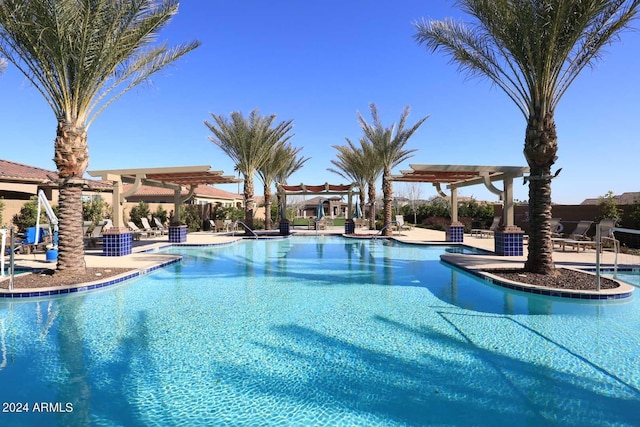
{"x":21,"y":293}
{"x":624,"y":290}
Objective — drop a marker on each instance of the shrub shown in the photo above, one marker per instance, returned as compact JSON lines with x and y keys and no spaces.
{"x":95,"y":210}
{"x":437,"y":222}
{"x":634,"y":215}
{"x":161,"y":214}
{"x":258,"y":223}
{"x":609,"y":208}
{"x":140,"y":211}
{"x":27,"y":216}
{"x":190,"y":215}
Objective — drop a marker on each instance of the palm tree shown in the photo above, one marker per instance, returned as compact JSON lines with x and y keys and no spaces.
{"x":359,"y":165}
{"x":283,"y":157}
{"x":249,"y":142}
{"x":293,"y":164}
{"x":82,"y":56}
{"x":388,"y":145}
{"x":533,"y":50}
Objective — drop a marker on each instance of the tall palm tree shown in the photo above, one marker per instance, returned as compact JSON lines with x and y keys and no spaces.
{"x":533,"y":50}
{"x":389,"y":147}
{"x":282,"y":157}
{"x":359,"y":165}
{"x":249,"y":142}
{"x":293,"y":164}
{"x":82,"y":56}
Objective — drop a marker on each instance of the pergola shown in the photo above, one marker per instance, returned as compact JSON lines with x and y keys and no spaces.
{"x":326,"y":188}
{"x":164,"y":177}
{"x":458,"y":176}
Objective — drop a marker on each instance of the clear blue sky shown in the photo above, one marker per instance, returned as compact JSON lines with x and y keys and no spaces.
{"x":318,"y":63}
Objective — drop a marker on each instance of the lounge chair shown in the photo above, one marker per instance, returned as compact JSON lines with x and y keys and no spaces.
{"x":361,"y":222}
{"x":578,"y":238}
{"x":606,"y":234}
{"x":136,"y":230}
{"x":321,"y":224}
{"x":94,"y":237}
{"x":148,"y":228}
{"x":216,"y":225}
{"x":580,"y":233}
{"x":400,"y":224}
{"x":85,"y":228}
{"x":230,"y":225}
{"x":556,"y":227}
{"x":163,"y":230}
{"x":481,"y":232}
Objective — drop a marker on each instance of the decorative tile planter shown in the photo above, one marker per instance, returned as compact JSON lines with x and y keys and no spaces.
{"x":177,"y":233}
{"x":455,"y":232}
{"x":509,"y":241}
{"x":117,"y":243}
{"x":349,"y":227}
{"x":284,"y":228}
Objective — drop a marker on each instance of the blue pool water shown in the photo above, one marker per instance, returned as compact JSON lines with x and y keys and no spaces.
{"x":318,"y":331}
{"x":629,"y":276}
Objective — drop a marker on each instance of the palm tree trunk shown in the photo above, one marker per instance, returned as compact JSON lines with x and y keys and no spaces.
{"x":387,"y":196}
{"x":249,"y":204}
{"x":267,"y":207}
{"x":71,"y":150}
{"x":541,"y":146}
{"x":371,"y":186}
{"x":71,"y":157}
{"x":70,"y":239}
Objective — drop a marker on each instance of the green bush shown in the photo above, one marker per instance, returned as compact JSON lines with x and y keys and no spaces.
{"x":140,"y":211}
{"x":190,"y":215}
{"x":609,"y":208}
{"x":95,"y":210}
{"x":161,"y":214}
{"x":228,"y":212}
{"x":258,"y":223}
{"x":634,"y":215}
{"x":27,"y":216}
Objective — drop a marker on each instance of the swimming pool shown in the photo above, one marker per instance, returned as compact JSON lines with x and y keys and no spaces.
{"x":630,"y":276}
{"x":319,"y":331}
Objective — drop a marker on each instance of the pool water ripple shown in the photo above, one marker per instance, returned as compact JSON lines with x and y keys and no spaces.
{"x":307,"y":331}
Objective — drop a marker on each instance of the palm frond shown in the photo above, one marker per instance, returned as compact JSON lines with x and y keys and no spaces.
{"x":249,"y":141}
{"x":83,"y":55}
{"x":531,"y":49}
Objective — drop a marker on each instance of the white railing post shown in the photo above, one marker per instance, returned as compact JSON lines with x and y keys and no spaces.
{"x":598,"y":249}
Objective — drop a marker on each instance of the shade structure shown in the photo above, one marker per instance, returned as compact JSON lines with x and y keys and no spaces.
{"x":357,"y":212}
{"x":320,"y":213}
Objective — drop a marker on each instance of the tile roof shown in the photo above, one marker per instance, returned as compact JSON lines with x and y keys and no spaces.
{"x":12,"y":171}
{"x":627,"y":198}
{"x":201,"y":190}
{"x":18,"y":171}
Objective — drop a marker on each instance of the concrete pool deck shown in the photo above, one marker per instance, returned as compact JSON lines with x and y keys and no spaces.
{"x":145,"y":256}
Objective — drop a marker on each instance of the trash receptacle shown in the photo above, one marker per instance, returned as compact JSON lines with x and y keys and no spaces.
{"x":51,"y":255}
{"x":284,"y":228}
{"x":349,"y":227}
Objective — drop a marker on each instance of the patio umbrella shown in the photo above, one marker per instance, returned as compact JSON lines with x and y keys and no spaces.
{"x":357,"y":212}
{"x":320,"y":213}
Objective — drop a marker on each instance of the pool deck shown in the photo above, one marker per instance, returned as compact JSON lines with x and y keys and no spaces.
{"x":145,"y":256}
